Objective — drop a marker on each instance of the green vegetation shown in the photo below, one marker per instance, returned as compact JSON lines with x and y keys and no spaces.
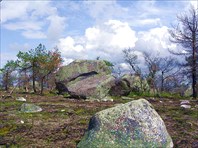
{"x":158,"y":95}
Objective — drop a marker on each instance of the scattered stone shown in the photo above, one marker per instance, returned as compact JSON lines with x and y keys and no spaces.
{"x":126,"y":98}
{"x":134,"y":124}
{"x":184,"y":102}
{"x":104,"y":100}
{"x":30,"y":108}
{"x":22,"y":122}
{"x":107,"y":98}
{"x":21,"y":99}
{"x":111,"y":100}
{"x":185,"y":106}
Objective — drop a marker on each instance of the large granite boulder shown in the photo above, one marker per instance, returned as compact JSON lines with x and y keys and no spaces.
{"x":135,"y":124}
{"x":136,"y":83}
{"x":86,"y":79}
{"x":129,"y":83}
{"x":82,"y":68}
{"x":121,"y":88}
{"x":94,"y":87}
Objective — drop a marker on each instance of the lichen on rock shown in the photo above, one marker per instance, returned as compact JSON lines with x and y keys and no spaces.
{"x":134,"y":124}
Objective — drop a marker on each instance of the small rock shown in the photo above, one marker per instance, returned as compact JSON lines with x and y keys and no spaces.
{"x":105,"y":100}
{"x":22,"y":122}
{"x":160,"y":101}
{"x":126,"y":98}
{"x":30,"y":108}
{"x":185,"y":106}
{"x":62,"y":110}
{"x":184,"y":102}
{"x":111,"y":100}
{"x":21,"y":99}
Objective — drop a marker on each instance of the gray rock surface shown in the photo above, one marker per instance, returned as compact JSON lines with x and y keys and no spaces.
{"x":30,"y":108}
{"x":94,"y":87}
{"x":22,"y":99}
{"x":129,"y":83}
{"x":81,"y":68}
{"x":132,"y":125}
{"x":85,"y":79}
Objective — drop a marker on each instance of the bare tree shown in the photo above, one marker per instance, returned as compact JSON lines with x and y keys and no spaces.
{"x":131,"y":58}
{"x":186,"y":35}
{"x":152,"y":63}
{"x":168,"y":68}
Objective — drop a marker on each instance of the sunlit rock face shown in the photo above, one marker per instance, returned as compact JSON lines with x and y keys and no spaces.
{"x":134,"y":124}
{"x":86,"y":79}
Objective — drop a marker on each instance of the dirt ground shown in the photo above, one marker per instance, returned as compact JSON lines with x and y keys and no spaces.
{"x":63,"y":121}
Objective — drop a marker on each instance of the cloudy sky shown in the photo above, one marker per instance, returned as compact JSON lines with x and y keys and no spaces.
{"x":85,"y":29}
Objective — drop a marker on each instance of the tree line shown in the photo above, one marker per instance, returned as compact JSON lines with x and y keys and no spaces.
{"x":34,"y":66}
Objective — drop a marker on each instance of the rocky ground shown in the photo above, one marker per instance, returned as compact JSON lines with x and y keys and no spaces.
{"x":63,"y":121}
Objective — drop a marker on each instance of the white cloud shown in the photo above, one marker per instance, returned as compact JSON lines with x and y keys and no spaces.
{"x":155,"y":40}
{"x":107,"y":41}
{"x":104,"y":10}
{"x":56,"y":27}
{"x":13,"y":10}
{"x":151,"y":21}
{"x":34,"y":34}
{"x":124,"y":66}
{"x":194,"y":3}
{"x":30,"y":18}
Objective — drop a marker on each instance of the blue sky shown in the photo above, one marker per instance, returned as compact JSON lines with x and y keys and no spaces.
{"x":88,"y":29}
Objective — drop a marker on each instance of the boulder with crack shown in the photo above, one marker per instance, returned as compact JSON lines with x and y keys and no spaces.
{"x":86,"y":79}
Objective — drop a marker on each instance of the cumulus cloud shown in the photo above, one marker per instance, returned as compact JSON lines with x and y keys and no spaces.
{"x":104,"y":10}
{"x":9,"y":9}
{"x":156,"y":40}
{"x":106,"y":41}
{"x":194,"y":3}
{"x":109,"y":39}
{"x":29,"y":18}
{"x":30,"y":34}
{"x":56,"y":27}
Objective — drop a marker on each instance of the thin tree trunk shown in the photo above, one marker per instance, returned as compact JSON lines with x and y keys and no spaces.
{"x":33,"y":77}
{"x":162,"y":85}
{"x":194,"y":76}
{"x":6,"y":81}
{"x":42,"y":81}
